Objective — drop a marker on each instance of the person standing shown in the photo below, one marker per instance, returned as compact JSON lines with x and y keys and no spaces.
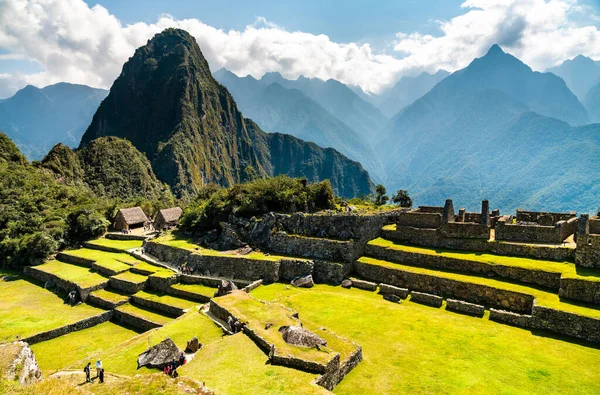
{"x":101,"y":375}
{"x":98,"y":367}
{"x":87,"y":372}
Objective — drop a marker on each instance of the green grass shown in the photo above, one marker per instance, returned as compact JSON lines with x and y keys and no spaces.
{"x":81,"y":276}
{"x":120,"y":244}
{"x":26,"y":308}
{"x":235,"y":365}
{"x":199,"y":289}
{"x":166,"y":299}
{"x":122,"y":359}
{"x":131,"y":277}
{"x":153,"y":268}
{"x":567,"y":269}
{"x":410,"y":348}
{"x":180,"y":241}
{"x":257,"y":315}
{"x":110,"y":295}
{"x":150,"y":315}
{"x":65,"y":350}
{"x":98,"y":256}
{"x":543,"y":298}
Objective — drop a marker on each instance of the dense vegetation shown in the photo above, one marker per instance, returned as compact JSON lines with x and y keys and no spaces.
{"x":281,"y":194}
{"x":188,"y":125}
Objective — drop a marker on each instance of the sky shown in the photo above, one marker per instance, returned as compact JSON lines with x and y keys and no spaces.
{"x":364,"y":43}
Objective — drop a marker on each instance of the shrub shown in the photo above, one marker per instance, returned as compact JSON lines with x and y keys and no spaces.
{"x":380,"y":195}
{"x":402,"y":199}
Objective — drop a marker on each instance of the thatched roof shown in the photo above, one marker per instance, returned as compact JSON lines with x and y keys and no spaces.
{"x":171,"y":214}
{"x":134,"y":215}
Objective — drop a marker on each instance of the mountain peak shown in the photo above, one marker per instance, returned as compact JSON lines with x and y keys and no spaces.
{"x":495,"y":50}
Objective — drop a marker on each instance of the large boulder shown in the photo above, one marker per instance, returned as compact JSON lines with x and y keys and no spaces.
{"x":159,"y":355}
{"x":225,"y":288}
{"x":299,"y":336}
{"x":193,"y":345}
{"x":18,"y":363}
{"x":303,"y":282}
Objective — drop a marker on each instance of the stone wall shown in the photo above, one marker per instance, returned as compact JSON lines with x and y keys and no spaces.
{"x":76,"y":326}
{"x":527,"y":233}
{"x":169,"y":310}
{"x":74,"y":260}
{"x":65,"y":285}
{"x":160,"y":283}
{"x":459,"y":306}
{"x":529,"y":276}
{"x":594,"y":224}
{"x":540,"y":216}
{"x":122,"y":236}
{"x":290,"y":269}
{"x":104,"y":248}
{"x":588,"y":251}
{"x":212,"y":282}
{"x":418,"y":219}
{"x":326,"y":272}
{"x":217,"y":266}
{"x":470,"y":292}
{"x":510,"y":318}
{"x":580,"y":290}
{"x":104,"y":303}
{"x":140,"y":323}
{"x":465,"y":230}
{"x":315,"y":248}
{"x":126,"y":286}
{"x":569,"y":324}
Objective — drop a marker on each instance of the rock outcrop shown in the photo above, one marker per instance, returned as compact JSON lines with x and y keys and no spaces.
{"x":299,"y":336}
{"x":19,"y":364}
{"x":159,"y":355}
{"x":303,"y":282}
{"x":225,"y":288}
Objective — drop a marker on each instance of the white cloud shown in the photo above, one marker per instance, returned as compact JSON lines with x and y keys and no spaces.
{"x":76,"y":43}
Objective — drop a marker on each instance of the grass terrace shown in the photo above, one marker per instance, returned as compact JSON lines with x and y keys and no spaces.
{"x":119,"y":244}
{"x":131,"y":277}
{"x":26,"y":308}
{"x":179,"y":241}
{"x":411,"y":348}
{"x":199,"y":289}
{"x":153,"y":268}
{"x":166,"y":299}
{"x":101,"y":256}
{"x":567,"y":269}
{"x":65,"y":350}
{"x":147,"y":314}
{"x":111,"y":295}
{"x":543,"y":298}
{"x":257,"y":315}
{"x":238,"y":366}
{"x":81,"y":276}
{"x":122,"y":359}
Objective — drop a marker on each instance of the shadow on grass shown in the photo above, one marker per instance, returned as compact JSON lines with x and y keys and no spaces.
{"x":564,"y":338}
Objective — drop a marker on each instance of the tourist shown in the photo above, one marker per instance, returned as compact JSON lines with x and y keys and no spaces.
{"x":230,"y":322}
{"x":167,"y":370}
{"x":101,"y":376}
{"x":98,"y":367}
{"x":182,"y":359}
{"x":87,"y":372}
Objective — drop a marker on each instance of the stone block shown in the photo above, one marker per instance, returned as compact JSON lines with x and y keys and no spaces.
{"x":366,"y":285}
{"x":459,"y":306}
{"x":426,"y":299}
{"x":390,"y":289}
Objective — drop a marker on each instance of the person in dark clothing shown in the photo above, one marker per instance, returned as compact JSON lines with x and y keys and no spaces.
{"x":181,"y":359}
{"x":101,"y":375}
{"x":87,"y":373}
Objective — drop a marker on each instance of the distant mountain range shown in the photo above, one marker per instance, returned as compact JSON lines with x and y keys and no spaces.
{"x":36,"y":119}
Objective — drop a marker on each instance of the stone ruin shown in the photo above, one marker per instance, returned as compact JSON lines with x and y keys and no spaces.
{"x":536,"y":227}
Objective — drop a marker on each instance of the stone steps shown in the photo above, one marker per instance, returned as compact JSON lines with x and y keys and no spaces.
{"x":167,"y":304}
{"x":128,"y":282}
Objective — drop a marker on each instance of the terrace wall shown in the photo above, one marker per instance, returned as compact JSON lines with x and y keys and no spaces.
{"x":465,"y":230}
{"x":169,"y":310}
{"x":580,"y":290}
{"x":470,"y":292}
{"x":418,"y":219}
{"x":536,"y":233}
{"x":140,"y":323}
{"x":594,"y":224}
{"x":316,"y":248}
{"x":588,"y":251}
{"x":63,"y":330}
{"x":537,"y":216}
{"x":62,"y":284}
{"x":564,"y":323}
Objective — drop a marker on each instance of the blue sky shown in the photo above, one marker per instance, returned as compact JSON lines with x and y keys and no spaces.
{"x":367,"y":43}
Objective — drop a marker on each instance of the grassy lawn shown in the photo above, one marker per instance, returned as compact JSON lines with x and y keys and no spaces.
{"x":257,"y":315}
{"x":154,"y":316}
{"x":122,"y":359}
{"x":153,"y":268}
{"x":97,"y":255}
{"x":410,"y":348}
{"x":26,"y":308}
{"x":110,"y":295}
{"x":199,"y":289}
{"x":120,"y":244}
{"x":567,"y":269}
{"x":235,"y":365}
{"x":543,"y":298}
{"x":131,"y":277}
{"x":63,"y":351}
{"x":180,"y":241}
{"x":81,"y":276}
{"x":166,"y":299}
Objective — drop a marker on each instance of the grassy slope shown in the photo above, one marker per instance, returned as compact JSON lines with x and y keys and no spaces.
{"x":98,"y":255}
{"x":122,"y":359}
{"x":196,"y":288}
{"x":166,"y":299}
{"x":154,"y":316}
{"x":112,"y":295}
{"x":238,"y":366}
{"x":81,"y":276}
{"x":131,"y":277}
{"x":567,"y":269}
{"x":543,"y":298}
{"x":409,"y":348}
{"x":63,"y":351}
{"x":120,"y":244}
{"x":27,"y":308}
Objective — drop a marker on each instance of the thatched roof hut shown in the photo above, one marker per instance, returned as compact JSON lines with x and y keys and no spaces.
{"x":167,"y":217}
{"x":129,"y":217}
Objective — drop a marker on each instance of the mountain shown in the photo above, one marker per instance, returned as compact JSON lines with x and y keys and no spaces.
{"x":469,"y":138}
{"x":9,"y":153}
{"x":592,"y":103}
{"x":279,"y":109}
{"x":166,"y":102}
{"x":406,"y":91}
{"x":579,"y":73}
{"x":109,"y":166}
{"x":36,"y":119}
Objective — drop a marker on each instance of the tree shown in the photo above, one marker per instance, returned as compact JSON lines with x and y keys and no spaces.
{"x":402,"y":199}
{"x":380,"y":195}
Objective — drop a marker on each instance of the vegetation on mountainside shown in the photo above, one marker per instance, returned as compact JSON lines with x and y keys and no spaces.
{"x":188,"y":125}
{"x":282,"y":194}
{"x":402,"y":199}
